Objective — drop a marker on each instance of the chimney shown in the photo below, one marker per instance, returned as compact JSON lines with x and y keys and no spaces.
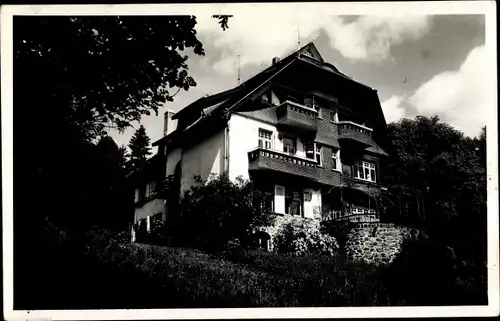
{"x":169,"y":124}
{"x":276,"y":60}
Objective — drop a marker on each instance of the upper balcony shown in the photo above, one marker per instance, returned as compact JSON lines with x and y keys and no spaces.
{"x":266,"y":159}
{"x":355,"y":133}
{"x":297,"y":116}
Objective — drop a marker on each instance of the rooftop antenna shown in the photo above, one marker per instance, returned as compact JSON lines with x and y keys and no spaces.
{"x":298,"y":33}
{"x":238,"y":66}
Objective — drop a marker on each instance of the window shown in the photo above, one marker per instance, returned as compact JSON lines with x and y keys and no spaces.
{"x":334,"y":116}
{"x":365,"y":171}
{"x":361,"y":210}
{"x":157,"y":217}
{"x":292,"y":202}
{"x":150,"y":189}
{"x":314,"y":151}
{"x":265,"y":139}
{"x":336,"y":160}
{"x":309,"y":147}
{"x":289,"y":145}
{"x":357,"y":210}
{"x":307,"y":196}
{"x":310,"y":101}
{"x":318,"y":154}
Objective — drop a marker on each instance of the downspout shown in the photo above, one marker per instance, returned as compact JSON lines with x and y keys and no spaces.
{"x":226,"y":149}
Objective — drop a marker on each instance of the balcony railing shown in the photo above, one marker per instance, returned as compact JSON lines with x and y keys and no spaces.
{"x":338,"y":216}
{"x":358,"y":218}
{"x":349,"y":130}
{"x":297,"y":116}
{"x":266,"y":159}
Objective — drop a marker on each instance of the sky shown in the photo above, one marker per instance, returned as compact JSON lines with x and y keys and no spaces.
{"x":419,"y":64}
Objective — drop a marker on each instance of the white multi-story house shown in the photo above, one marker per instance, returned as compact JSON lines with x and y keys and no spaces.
{"x":301,"y":130}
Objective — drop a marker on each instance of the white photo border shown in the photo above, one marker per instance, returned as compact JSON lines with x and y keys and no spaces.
{"x":368,"y":8}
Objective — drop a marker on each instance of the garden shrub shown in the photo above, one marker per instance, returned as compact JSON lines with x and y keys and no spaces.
{"x":339,"y":230}
{"x":218,"y":211}
{"x":303,"y":237}
{"x":158,"y":233}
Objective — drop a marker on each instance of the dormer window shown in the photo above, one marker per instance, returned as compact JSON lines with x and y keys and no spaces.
{"x":309,"y":101}
{"x":334,"y":116}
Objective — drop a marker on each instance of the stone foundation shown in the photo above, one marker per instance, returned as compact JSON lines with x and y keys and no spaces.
{"x":377,"y":243}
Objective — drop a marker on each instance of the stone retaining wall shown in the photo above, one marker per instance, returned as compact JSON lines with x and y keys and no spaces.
{"x":377,"y":243}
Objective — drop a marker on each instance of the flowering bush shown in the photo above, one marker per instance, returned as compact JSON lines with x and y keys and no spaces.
{"x":301,"y":237}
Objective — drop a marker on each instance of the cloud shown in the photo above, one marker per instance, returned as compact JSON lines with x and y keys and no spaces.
{"x":461,"y":98}
{"x":259,"y":36}
{"x":393,"y":111}
{"x":371,"y":37}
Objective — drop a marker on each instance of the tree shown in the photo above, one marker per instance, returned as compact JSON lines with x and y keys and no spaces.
{"x":139,"y":149}
{"x":135,"y":64}
{"x":74,"y":77}
{"x":216,"y":211}
{"x":444,"y":165}
{"x":124,"y":159}
{"x":85,"y":74}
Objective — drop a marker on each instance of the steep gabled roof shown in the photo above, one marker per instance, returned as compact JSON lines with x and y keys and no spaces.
{"x":233,"y":97}
{"x":311,"y":51}
{"x":247,"y":86}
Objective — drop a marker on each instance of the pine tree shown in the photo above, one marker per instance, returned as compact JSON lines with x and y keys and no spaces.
{"x":139,"y":149}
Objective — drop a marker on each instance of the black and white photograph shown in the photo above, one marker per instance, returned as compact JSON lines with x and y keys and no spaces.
{"x":262,"y":160}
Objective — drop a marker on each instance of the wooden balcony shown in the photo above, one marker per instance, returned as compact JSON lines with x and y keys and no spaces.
{"x":261,"y":159}
{"x":295,"y":116}
{"x":355,"y":133}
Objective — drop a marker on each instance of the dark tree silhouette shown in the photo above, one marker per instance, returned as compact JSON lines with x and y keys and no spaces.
{"x":449,"y":169}
{"x":85,"y":74}
{"x":140,"y":149}
{"x":74,"y":77}
{"x":124,"y":159}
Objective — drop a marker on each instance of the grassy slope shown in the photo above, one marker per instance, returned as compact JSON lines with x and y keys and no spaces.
{"x":135,"y":276}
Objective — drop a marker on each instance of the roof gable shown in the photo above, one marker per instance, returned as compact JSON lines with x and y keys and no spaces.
{"x":311,"y":51}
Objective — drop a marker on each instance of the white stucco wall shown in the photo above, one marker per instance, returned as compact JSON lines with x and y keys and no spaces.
{"x":205,"y":158}
{"x":243,"y":137}
{"x":173,"y":158}
{"x":150,"y":208}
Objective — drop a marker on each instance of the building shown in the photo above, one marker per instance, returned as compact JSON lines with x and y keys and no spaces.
{"x":301,"y":130}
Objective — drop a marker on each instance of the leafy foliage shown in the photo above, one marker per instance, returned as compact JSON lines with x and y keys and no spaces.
{"x":423,"y":265}
{"x":216,"y":211}
{"x":135,"y":63}
{"x":305,"y":238}
{"x":74,"y":77}
{"x":223,"y":20}
{"x":108,"y":266}
{"x":140,"y":149}
{"x":449,"y":169}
